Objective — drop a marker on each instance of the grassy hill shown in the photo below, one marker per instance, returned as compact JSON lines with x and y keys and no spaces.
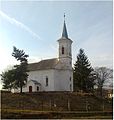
{"x":53,"y":101}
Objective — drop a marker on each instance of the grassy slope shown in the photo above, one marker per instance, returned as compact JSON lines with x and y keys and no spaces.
{"x":47,"y":101}
{"x":41,"y":105}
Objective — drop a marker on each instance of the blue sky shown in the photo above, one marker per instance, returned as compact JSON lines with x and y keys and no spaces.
{"x":35,"y":27}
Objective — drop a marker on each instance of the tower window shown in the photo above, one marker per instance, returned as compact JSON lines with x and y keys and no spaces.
{"x":62,"y":50}
{"x":70,"y":78}
{"x":46,"y":81}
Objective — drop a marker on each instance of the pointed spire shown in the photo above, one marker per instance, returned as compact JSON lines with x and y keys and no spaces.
{"x":64,"y":33}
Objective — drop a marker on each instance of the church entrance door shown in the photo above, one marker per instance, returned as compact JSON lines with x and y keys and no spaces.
{"x":30,"y":89}
{"x":37,"y":88}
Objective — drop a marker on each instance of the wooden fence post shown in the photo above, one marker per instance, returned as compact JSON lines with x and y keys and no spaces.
{"x":42,"y":105}
{"x":68,"y":103}
{"x":51,"y":104}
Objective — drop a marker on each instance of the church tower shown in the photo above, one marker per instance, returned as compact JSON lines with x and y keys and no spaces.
{"x":65,"y":52}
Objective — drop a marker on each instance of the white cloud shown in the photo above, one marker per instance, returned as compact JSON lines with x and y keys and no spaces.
{"x":19,"y":24}
{"x":102,"y":60}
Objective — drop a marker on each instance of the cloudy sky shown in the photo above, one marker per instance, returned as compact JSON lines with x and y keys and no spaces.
{"x":35,"y":27}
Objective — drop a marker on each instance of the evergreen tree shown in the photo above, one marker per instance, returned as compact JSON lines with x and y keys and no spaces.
{"x":20,"y":70}
{"x":83,"y":73}
{"x":8,"y":79}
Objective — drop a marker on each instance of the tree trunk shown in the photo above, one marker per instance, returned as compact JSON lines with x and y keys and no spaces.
{"x":101,"y":92}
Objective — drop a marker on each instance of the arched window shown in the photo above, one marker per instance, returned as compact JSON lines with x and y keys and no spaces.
{"x":46,"y":81}
{"x":62,"y":50}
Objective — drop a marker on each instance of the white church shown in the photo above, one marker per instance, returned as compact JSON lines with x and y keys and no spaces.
{"x":54,"y":74}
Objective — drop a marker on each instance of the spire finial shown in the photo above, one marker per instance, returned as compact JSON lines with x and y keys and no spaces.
{"x":64,"y":33}
{"x":64,"y":17}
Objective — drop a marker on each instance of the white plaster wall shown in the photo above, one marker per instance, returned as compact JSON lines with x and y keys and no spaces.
{"x":58,"y":80}
{"x":62,"y":80}
{"x":15,"y":90}
{"x":65,"y":58}
{"x":66,"y":62}
{"x":26,"y":88}
{"x":67,"y":48}
{"x":40,"y":76}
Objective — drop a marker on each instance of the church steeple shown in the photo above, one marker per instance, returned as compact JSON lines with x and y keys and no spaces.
{"x":64,"y":33}
{"x":65,"y":48}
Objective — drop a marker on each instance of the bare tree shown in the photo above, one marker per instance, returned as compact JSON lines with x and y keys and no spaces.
{"x":103,"y":75}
